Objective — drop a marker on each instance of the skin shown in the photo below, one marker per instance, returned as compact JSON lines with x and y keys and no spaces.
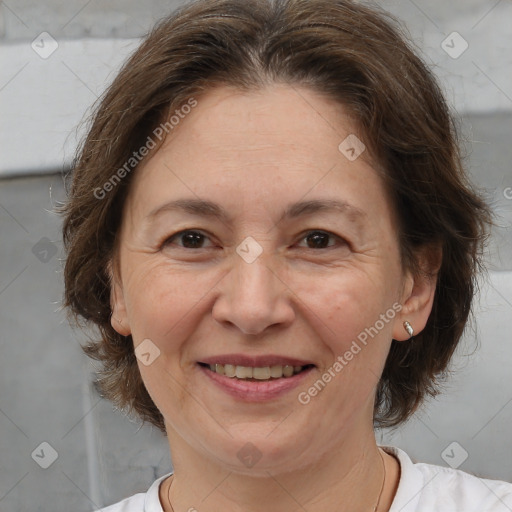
{"x":255,"y":153}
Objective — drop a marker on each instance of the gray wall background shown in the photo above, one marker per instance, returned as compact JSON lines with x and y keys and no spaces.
{"x":46,"y":394}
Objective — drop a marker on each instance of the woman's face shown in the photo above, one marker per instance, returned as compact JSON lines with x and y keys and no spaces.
{"x":262,"y":272}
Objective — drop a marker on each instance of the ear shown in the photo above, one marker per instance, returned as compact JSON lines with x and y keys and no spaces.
{"x":418,"y":292}
{"x":119,"y":317}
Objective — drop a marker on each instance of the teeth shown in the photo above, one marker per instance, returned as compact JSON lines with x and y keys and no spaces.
{"x":288,"y":371}
{"x":276,"y":371}
{"x":243,"y":372}
{"x":261,"y":373}
{"x":229,"y":370}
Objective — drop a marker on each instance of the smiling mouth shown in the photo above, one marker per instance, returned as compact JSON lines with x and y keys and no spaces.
{"x":256,"y":373}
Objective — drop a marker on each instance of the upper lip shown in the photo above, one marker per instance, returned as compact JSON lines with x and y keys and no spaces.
{"x":254,"y":361}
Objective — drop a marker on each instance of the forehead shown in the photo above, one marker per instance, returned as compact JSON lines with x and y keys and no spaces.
{"x":280,"y":143}
{"x":277,"y":118}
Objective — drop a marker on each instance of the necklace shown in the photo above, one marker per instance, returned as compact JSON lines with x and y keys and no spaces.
{"x":383,"y":481}
{"x":169,"y":494}
{"x":374,"y":508}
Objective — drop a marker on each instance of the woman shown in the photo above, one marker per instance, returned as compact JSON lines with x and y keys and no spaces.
{"x":270,"y":226}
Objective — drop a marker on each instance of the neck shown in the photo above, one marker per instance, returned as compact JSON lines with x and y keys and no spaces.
{"x":348,"y":478}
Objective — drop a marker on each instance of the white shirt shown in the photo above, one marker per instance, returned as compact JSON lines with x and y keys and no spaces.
{"x":422,"y":488}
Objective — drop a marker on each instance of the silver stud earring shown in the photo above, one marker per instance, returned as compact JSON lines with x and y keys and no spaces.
{"x":409,"y":329}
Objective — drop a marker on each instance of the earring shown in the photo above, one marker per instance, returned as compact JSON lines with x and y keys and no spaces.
{"x":409,"y":329}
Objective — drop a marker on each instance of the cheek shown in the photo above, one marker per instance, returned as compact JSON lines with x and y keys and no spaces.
{"x":344,"y":307}
{"x":160,"y":298}
{"x":162,"y":301}
{"x":343,"y":315}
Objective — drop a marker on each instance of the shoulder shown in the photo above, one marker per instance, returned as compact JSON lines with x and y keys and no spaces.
{"x":426,"y":487}
{"x":142,"y":502}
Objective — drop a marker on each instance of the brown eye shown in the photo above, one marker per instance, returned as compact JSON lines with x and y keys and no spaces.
{"x":189,"y":239}
{"x":319,"y":239}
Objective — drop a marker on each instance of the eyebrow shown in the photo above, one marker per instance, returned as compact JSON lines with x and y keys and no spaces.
{"x":209,"y":209}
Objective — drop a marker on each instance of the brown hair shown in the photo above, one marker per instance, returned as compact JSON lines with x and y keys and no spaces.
{"x":352,"y":53}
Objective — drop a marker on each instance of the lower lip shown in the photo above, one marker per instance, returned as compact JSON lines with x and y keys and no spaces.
{"x":254,"y":391}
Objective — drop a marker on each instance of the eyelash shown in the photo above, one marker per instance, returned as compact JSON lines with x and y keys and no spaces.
{"x":168,"y":240}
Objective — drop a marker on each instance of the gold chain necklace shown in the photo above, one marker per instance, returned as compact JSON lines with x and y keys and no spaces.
{"x":383,"y":481}
{"x":374,"y":508}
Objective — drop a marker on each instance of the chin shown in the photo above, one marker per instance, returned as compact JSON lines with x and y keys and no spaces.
{"x":258,"y":454}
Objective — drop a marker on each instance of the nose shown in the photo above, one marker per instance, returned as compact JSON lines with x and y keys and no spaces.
{"x":253,"y":297}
